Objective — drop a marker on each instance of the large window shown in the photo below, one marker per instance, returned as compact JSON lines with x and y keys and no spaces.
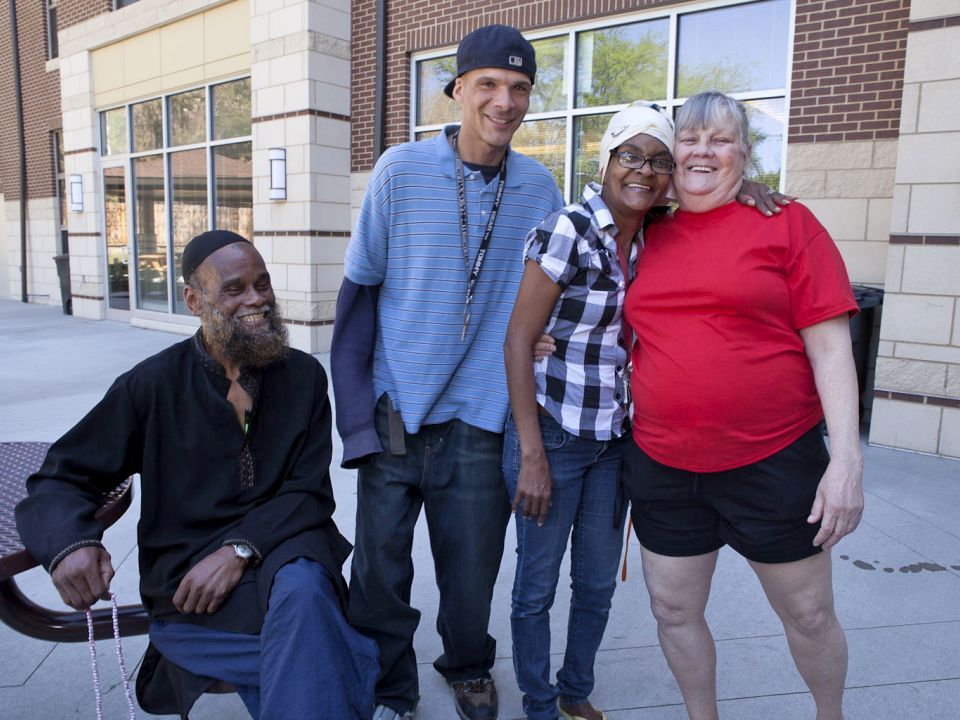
{"x":588,"y":72}
{"x":190,"y":168}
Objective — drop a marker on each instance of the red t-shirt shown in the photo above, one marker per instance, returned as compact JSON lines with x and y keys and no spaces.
{"x":720,"y":377}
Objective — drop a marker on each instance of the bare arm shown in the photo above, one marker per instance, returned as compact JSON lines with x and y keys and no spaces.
{"x":839,"y":502}
{"x":535,"y":300}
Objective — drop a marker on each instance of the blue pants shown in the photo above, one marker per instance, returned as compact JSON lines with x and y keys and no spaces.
{"x":584,"y":500}
{"x":306,"y":663}
{"x":453,"y":471}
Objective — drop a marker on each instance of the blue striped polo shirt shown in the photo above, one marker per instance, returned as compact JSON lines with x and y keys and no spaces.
{"x":408,"y":241}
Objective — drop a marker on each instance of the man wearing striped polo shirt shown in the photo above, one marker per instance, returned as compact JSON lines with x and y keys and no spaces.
{"x":431,"y":275}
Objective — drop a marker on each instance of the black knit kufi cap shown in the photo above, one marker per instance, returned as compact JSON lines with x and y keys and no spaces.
{"x":203,"y":246}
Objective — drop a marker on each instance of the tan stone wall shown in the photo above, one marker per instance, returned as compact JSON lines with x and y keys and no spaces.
{"x":184,"y":53}
{"x":849,"y":187}
{"x":358,"y":186}
{"x":917,"y":403}
{"x":300,"y":80}
{"x":7,"y":290}
{"x":42,"y":283}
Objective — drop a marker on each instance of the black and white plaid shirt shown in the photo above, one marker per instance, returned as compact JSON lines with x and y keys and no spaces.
{"x":583,"y":384}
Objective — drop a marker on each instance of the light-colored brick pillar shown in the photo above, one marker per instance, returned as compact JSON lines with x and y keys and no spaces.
{"x":917,"y":402}
{"x":80,"y":146}
{"x":849,"y":186}
{"x":300,"y":82}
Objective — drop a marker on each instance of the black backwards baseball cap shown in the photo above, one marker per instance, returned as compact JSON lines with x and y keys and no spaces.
{"x":494,"y":46}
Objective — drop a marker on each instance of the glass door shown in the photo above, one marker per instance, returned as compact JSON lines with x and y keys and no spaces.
{"x":116,"y":238}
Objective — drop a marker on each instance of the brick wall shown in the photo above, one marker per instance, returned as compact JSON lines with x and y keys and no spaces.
{"x":415,"y":25}
{"x":848,"y":70}
{"x":847,"y":65}
{"x":41,"y":104}
{"x":72,"y":12}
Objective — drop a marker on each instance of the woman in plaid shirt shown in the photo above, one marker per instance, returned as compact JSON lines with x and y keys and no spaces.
{"x":569,"y":419}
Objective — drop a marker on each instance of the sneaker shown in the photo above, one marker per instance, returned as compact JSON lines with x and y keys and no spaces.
{"x":475,"y":699}
{"x":382,"y":712}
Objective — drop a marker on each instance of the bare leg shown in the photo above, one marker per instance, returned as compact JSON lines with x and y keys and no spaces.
{"x":801,"y":593}
{"x":679,"y":588}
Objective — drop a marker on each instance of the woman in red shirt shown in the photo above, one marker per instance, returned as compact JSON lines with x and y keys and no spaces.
{"x":743,"y":348}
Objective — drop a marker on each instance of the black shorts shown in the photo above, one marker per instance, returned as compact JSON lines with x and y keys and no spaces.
{"x":760,"y":510}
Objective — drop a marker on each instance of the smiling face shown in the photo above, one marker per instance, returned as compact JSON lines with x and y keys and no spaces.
{"x":493,"y":103}
{"x":710,"y":164}
{"x":629,"y":194}
{"x":232,"y":295}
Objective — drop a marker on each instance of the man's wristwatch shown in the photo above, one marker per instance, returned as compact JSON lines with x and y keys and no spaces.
{"x":244,"y":552}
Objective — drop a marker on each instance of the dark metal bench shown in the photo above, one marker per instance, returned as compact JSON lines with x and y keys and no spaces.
{"x":18,"y":460}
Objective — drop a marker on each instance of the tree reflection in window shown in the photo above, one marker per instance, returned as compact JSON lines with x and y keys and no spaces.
{"x":231,"y":109}
{"x":187,"y":117}
{"x":147,"y":125}
{"x":621,"y":64}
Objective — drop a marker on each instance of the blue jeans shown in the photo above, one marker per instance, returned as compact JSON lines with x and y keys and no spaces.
{"x":307,"y":662}
{"x":586,"y":475}
{"x":452,"y":470}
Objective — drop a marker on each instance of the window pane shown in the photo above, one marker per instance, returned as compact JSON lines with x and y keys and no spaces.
{"x":426,"y":134}
{"x":587,"y":132}
{"x":188,"y":117}
{"x":113,"y":130}
{"x":61,"y":179}
{"x":233,"y":170}
{"x":231,"y":109}
{"x":53,"y":47}
{"x":545,"y":140}
{"x":188,"y":182}
{"x":151,"y":233}
{"x":433,"y":106}
{"x":621,"y":64}
{"x":713,"y":53}
{"x":767,"y":122}
{"x":115,"y":224}
{"x":147,"y":125}
{"x":548,"y":91}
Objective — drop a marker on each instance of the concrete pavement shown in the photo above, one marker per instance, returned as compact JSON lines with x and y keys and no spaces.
{"x":897,"y":579}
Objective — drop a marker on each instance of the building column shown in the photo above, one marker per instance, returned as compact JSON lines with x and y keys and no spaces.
{"x":300,"y":85}
{"x":917,"y":397}
{"x":80,"y":147}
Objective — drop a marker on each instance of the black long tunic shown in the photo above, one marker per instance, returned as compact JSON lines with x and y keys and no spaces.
{"x":169,"y":420}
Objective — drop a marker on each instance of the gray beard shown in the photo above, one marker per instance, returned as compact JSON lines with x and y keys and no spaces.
{"x":255,"y":349}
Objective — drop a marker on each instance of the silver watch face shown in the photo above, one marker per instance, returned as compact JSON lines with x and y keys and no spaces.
{"x":244,"y":552}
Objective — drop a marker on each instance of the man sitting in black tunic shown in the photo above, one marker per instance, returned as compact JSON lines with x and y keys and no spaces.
{"x":239,"y":555}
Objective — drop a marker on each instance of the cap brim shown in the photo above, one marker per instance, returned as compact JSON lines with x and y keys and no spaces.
{"x":448,"y":90}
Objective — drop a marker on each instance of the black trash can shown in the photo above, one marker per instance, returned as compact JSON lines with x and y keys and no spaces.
{"x":865,"y":336}
{"x":63,"y":272}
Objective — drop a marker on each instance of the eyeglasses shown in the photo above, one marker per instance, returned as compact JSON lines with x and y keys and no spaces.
{"x":632,"y":161}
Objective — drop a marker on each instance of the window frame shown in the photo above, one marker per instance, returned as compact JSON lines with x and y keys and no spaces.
{"x":671,"y":102}
{"x":50,"y":16}
{"x":166,"y":150}
{"x":60,"y":185}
